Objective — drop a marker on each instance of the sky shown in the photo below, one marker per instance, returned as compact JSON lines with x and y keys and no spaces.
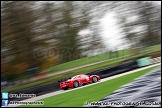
{"x":111,"y":35}
{"x":111,"y":32}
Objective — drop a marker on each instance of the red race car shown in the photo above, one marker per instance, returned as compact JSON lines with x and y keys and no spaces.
{"x":78,"y":80}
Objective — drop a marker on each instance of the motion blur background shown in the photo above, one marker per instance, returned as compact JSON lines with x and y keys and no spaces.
{"x":36,"y":35}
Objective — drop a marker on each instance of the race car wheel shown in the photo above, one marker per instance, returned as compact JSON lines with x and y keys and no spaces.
{"x":94,"y":79}
{"x":76,"y":84}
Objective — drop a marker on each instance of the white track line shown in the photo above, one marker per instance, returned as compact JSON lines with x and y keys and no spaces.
{"x":62,"y":91}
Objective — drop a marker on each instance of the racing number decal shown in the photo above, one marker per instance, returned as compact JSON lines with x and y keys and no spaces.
{"x":80,"y":81}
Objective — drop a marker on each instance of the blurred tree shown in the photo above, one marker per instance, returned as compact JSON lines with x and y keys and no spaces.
{"x":58,"y":27}
{"x":92,"y":43}
{"x":16,"y":30}
{"x":46,"y":40}
{"x":48,"y":25}
{"x":21,"y":68}
{"x":150,"y":15}
{"x":16,"y":36}
{"x":49,"y":61}
{"x":140,"y":22}
{"x":6,"y":68}
{"x":73,"y":20}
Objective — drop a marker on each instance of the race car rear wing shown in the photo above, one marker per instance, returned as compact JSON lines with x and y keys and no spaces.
{"x":63,"y":80}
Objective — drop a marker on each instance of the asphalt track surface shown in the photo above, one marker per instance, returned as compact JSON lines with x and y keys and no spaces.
{"x":59,"y":72}
{"x":62,"y":91}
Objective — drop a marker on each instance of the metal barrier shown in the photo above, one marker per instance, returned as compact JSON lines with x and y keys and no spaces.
{"x":43,"y":89}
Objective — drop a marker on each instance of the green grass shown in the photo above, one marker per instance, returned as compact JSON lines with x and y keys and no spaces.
{"x":84,"y":70}
{"x":92,"y":93}
{"x":96,"y":58}
{"x":82,"y":61}
{"x":58,"y":77}
{"x":81,"y":70}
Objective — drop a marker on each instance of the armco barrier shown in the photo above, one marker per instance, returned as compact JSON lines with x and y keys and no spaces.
{"x":43,"y":89}
{"x":38,"y":90}
{"x":123,"y":67}
{"x":144,"y":61}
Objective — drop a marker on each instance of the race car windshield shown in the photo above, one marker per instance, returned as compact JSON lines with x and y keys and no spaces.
{"x":73,"y":77}
{"x":84,"y":76}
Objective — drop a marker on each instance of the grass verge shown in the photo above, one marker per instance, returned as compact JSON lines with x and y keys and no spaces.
{"x":97,"y":58}
{"x":92,"y":93}
{"x":83,"y":70}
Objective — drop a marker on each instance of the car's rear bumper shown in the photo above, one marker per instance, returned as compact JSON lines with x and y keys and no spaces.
{"x":64,"y":85}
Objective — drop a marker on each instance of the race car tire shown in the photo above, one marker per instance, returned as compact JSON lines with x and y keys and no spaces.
{"x":75,"y":84}
{"x":94,"y":79}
